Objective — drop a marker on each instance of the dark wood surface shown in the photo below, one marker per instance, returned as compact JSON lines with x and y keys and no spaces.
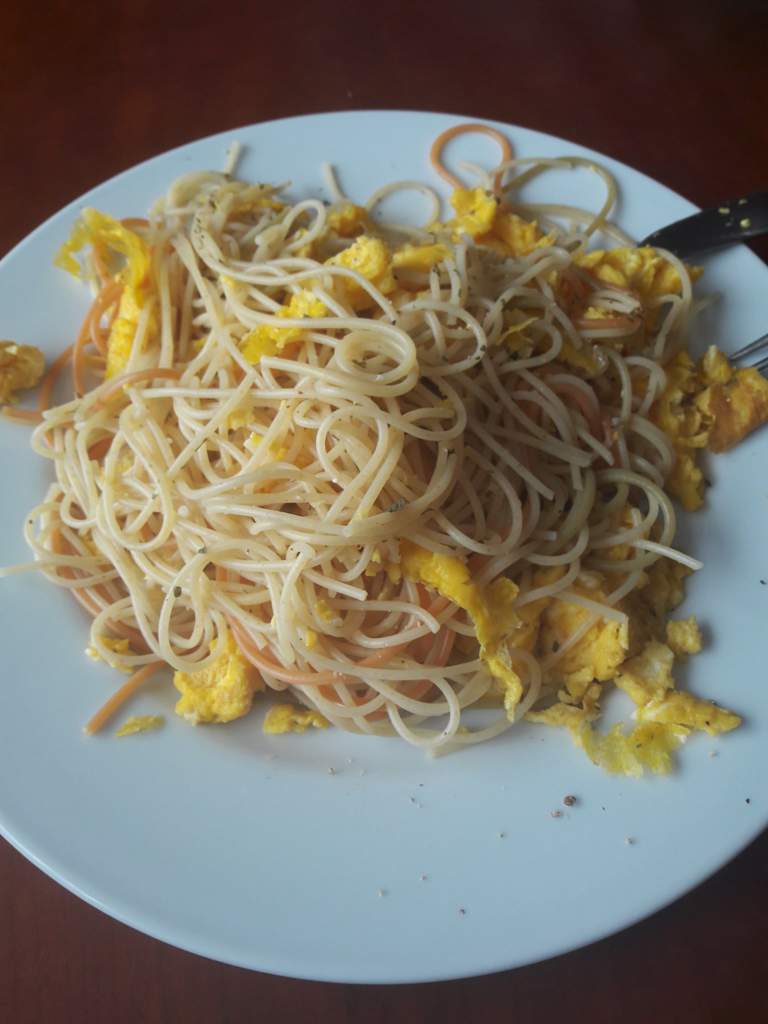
{"x":677,"y":90}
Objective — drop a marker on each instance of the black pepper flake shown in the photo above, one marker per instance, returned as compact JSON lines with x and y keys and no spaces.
{"x":747,"y":801}
{"x":202,"y":551}
{"x":569,"y":800}
{"x":762,"y":583}
{"x":462,"y":912}
{"x":397,"y":506}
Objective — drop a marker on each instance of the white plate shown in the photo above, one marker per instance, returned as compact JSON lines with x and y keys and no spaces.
{"x":246,"y":848}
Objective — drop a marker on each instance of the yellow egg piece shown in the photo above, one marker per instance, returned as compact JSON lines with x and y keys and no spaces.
{"x":491,"y":609}
{"x":269,"y":339}
{"x":21,"y":368}
{"x":140,"y":723}
{"x":420,"y":257}
{"x":684,"y":636}
{"x":475,"y":211}
{"x":223,"y":691}
{"x":284,"y":718}
{"x":371,"y":258}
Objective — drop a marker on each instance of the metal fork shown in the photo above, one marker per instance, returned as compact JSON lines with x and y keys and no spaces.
{"x":734,"y":220}
{"x":748,"y":350}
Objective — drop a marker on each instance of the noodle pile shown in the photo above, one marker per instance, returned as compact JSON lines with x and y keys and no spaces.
{"x":365,"y":452}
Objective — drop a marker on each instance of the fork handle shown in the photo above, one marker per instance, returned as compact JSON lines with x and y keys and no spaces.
{"x":733,"y":221}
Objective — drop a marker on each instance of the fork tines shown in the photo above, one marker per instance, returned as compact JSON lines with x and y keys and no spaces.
{"x":756,"y":346}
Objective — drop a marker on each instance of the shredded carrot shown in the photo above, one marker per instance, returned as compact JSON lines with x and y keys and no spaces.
{"x":129,"y":687}
{"x":590,"y":410}
{"x":109,"y":296}
{"x":78,"y":383}
{"x":84,"y":597}
{"x":459,"y":129}
{"x":134,"y":222}
{"x":325,"y":681}
{"x":88,"y":597}
{"x":90,"y":331}
{"x":49,"y":381}
{"x":136,"y":377}
{"x":22,"y":415}
{"x":100,"y":263}
{"x":99,"y":448}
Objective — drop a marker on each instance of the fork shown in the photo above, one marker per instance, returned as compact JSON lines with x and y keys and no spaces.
{"x":732,"y":221}
{"x":748,"y":350}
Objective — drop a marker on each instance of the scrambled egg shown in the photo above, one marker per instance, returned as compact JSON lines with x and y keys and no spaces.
{"x":734,"y":401}
{"x":519,"y":237}
{"x":648,"y":681}
{"x":596,"y":656}
{"x":105,"y":233}
{"x":118,"y":646}
{"x":676,"y":414}
{"x":284,"y":718}
{"x":371,"y":258}
{"x":642,"y":271}
{"x":348,"y":220}
{"x":324,"y":610}
{"x":480,"y":215}
{"x":268,"y":340}
{"x":491,"y":609}
{"x":648,"y":675}
{"x":647,"y":746}
{"x":140,"y":723}
{"x":665,"y":716}
{"x":475,"y":211}
{"x":21,"y":368}
{"x":122,"y":333}
{"x":709,"y":405}
{"x":684,"y":636}
{"x":223,"y":691}
{"x":420,"y":257}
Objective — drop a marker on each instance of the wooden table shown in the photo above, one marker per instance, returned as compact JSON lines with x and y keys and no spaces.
{"x":679,"y":91}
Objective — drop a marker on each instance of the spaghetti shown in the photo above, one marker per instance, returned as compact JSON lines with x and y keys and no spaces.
{"x":369,"y":455}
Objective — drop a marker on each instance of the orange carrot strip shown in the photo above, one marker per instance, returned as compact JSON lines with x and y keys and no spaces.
{"x":91,"y":332}
{"x":136,"y":377}
{"x":265,"y":664}
{"x":109,"y":296}
{"x":22,"y":415}
{"x":326,"y":680}
{"x":459,"y":129}
{"x":84,"y":597}
{"x":129,"y":687}
{"x":590,"y":410}
{"x":87,"y":597}
{"x":100,"y":448}
{"x":49,"y":381}
{"x":100,"y":262}
{"x":78,"y":352}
